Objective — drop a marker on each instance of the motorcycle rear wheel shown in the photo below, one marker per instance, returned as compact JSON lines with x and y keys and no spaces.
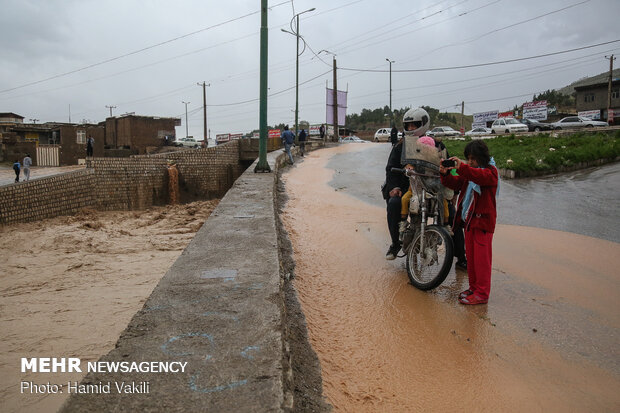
{"x":427,"y":271}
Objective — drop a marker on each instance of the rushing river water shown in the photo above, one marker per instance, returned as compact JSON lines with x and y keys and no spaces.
{"x":547,"y":340}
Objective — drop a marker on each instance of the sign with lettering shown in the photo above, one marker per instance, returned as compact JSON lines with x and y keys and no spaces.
{"x":536,"y":110}
{"x":483,"y":117}
{"x":274,"y":133}
{"x":590,"y":114}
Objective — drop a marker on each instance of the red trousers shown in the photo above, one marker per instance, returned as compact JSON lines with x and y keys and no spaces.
{"x":478,"y":248}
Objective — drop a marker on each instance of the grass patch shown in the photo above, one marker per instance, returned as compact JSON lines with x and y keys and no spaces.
{"x":545,"y":153}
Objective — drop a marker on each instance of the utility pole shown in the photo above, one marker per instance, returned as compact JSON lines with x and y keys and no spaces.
{"x":262,"y":165}
{"x":110,"y":107}
{"x":204,"y":110}
{"x":186,"y":124}
{"x":336,"y":131}
{"x":391,"y":113}
{"x":611,"y":70}
{"x":462,"y":116}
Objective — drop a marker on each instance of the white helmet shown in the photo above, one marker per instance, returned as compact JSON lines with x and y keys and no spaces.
{"x":416,"y":122}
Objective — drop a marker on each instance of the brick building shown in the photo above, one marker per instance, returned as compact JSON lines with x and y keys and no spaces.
{"x":138,"y":133}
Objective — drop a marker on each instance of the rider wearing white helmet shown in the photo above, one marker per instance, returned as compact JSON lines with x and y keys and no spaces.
{"x":415,"y":122}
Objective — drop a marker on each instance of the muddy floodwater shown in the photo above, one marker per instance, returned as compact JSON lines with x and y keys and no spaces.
{"x":547,"y":341}
{"x":70,"y":285}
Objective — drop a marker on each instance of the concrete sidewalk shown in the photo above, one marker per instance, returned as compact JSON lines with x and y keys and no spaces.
{"x":220,"y":309}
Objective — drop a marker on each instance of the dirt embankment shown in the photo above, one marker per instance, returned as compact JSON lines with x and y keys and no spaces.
{"x":70,"y":285}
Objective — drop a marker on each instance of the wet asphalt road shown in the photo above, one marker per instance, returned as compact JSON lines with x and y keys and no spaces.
{"x":583,"y":202}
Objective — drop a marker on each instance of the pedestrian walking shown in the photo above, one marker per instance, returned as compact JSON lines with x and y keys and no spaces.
{"x":17,"y":168}
{"x":288,"y":139}
{"x":27,"y":163}
{"x":302,"y":142}
{"x":322,"y":132}
{"x":394,"y":135}
{"x":90,"y":145}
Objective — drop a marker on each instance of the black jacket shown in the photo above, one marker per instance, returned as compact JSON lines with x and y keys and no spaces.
{"x":395,"y":179}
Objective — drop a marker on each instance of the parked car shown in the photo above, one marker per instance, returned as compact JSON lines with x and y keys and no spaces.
{"x":443,"y":131}
{"x":383,"y":135}
{"x":478,"y":131}
{"x":535,"y":126}
{"x":577,"y":122}
{"x":507,"y":125}
{"x":351,"y":139}
{"x":188,"y":143}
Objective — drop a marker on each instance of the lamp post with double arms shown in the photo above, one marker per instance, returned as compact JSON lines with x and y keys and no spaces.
{"x":296,"y":34}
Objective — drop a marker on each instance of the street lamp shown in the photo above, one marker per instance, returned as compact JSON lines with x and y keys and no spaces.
{"x":186,"y":124}
{"x":391,"y":113}
{"x":296,"y":34}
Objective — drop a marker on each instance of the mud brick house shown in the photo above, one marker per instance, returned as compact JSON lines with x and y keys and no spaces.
{"x":138,"y":133}
{"x":594,"y":97}
{"x":55,"y":144}
{"x":51,"y":144}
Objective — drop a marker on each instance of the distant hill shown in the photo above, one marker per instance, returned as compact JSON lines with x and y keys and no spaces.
{"x":603,"y":77}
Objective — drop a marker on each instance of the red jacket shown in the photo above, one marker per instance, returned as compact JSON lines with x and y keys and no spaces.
{"x":483,"y":211}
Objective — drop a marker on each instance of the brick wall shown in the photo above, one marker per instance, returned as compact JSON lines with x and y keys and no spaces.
{"x":206,"y":172}
{"x":63,"y":194}
{"x":122,"y":184}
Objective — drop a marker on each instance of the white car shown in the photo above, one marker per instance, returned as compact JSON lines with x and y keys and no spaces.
{"x":508,"y":125}
{"x":575,"y":122}
{"x":188,"y":143}
{"x":478,"y":131}
{"x":443,"y":131}
{"x":383,"y":135}
{"x":351,"y":139}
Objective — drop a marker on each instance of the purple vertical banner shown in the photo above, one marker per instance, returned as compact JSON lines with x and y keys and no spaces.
{"x":342,"y":107}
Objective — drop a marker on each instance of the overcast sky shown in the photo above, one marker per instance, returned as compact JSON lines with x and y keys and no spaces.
{"x":69,"y":59}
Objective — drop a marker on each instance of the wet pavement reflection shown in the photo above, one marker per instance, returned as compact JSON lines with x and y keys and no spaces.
{"x":548,"y":339}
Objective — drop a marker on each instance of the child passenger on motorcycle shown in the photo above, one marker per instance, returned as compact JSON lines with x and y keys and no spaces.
{"x":404,"y":210}
{"x":478,"y":182}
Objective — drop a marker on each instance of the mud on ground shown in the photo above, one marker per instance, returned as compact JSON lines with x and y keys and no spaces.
{"x":307,"y":384}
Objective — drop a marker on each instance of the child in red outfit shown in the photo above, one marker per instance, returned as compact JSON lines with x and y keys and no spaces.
{"x":478,"y":181}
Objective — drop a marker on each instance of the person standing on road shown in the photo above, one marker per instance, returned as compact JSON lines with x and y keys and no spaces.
{"x":27,"y":163}
{"x":288,"y":139}
{"x":17,"y":169}
{"x":322,"y":131}
{"x":302,"y":142}
{"x":394,"y":135}
{"x":416,"y":123}
{"x":90,"y":145}
{"x":478,"y":182}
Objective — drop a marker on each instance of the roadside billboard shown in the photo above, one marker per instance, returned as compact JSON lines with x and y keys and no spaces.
{"x":274,"y":133}
{"x":482,"y":118}
{"x":314,"y":130}
{"x":508,"y":114}
{"x":536,"y":110}
{"x":590,"y":114}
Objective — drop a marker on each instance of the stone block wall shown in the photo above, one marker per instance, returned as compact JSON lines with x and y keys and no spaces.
{"x":121,"y":184}
{"x":206,"y":172}
{"x":129,"y":183}
{"x":63,"y":194}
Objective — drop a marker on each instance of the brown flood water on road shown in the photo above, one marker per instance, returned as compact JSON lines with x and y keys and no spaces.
{"x":547,"y":340}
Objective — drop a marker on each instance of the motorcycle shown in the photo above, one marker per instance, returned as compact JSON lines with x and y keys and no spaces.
{"x":427,"y":246}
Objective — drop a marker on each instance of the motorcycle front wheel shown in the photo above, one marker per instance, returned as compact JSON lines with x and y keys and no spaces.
{"x":428,"y":268}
